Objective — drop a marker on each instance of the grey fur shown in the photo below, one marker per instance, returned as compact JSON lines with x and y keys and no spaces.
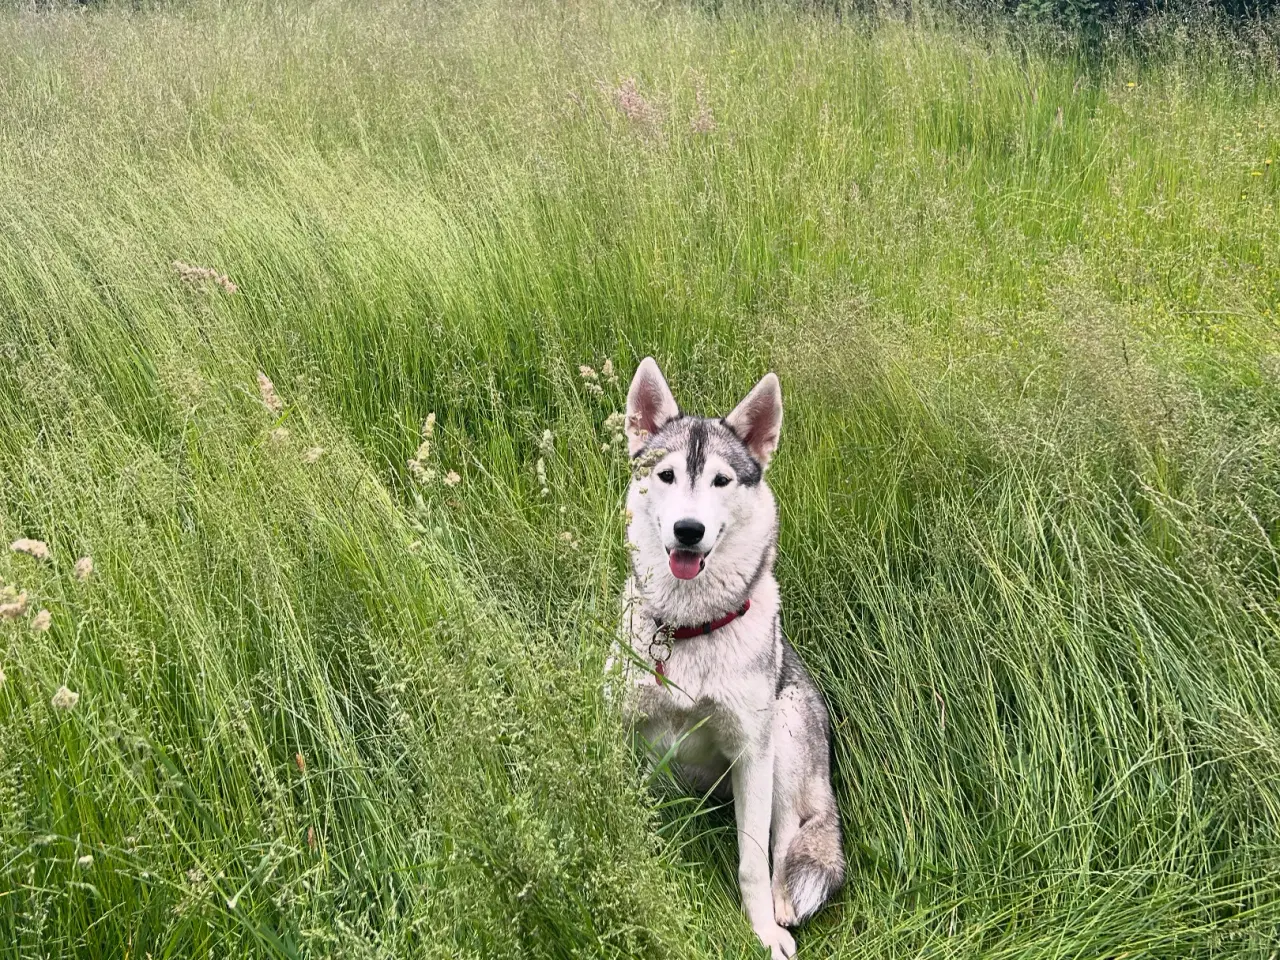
{"x":697,"y":437}
{"x":739,"y":709}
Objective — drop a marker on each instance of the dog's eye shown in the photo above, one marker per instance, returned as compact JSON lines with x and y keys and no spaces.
{"x":667,"y":476}
{"x":720,"y":480}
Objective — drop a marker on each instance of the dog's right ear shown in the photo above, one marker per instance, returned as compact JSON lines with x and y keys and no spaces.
{"x":649,"y":405}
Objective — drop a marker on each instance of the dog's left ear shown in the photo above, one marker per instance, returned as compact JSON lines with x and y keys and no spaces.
{"x":757,"y":420}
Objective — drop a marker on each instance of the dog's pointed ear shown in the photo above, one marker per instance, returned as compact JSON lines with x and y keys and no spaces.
{"x":649,"y":405}
{"x":757,"y":420}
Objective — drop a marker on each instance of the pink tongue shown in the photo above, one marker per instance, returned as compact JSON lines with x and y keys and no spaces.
{"x":685,"y":564}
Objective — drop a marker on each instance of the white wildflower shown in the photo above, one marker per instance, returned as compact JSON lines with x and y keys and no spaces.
{"x":312,"y":454}
{"x":541,"y":468}
{"x":587,"y":373}
{"x":41,"y":621}
{"x":451,"y":479}
{"x":84,"y":568}
{"x":418,"y":465}
{"x":32,"y":548}
{"x":85,"y":862}
{"x":64,"y":699}
{"x":428,"y":430}
{"x":280,"y":435}
{"x":423,"y":475}
{"x":614,"y":425}
{"x":642,"y":465}
{"x":606,"y":371}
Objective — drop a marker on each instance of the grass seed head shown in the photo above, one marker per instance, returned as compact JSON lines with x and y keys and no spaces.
{"x":541,"y":469}
{"x":269,"y":395}
{"x":703,"y":120}
{"x":196,"y":275}
{"x":14,"y":608}
{"x":32,"y":548}
{"x":632,"y":104}
{"x":64,"y":699}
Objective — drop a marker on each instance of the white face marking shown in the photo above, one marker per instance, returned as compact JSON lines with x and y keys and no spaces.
{"x":715,"y":499}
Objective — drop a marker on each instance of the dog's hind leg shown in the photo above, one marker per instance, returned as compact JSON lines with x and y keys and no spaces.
{"x":786,"y":822}
{"x":808,"y":859}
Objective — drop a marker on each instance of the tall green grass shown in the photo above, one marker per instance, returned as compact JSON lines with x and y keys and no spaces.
{"x":1024,"y":311}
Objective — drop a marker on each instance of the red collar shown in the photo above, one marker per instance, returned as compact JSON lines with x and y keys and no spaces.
{"x":702,"y":629}
{"x":660,"y":648}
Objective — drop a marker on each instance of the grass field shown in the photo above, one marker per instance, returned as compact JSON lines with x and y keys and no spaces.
{"x":1024,"y":308}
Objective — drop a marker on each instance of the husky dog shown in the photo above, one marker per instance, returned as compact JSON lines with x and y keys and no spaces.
{"x":706,"y":670}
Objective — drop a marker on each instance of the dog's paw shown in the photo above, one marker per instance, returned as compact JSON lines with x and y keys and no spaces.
{"x":780,"y":943}
{"x":783,"y":912}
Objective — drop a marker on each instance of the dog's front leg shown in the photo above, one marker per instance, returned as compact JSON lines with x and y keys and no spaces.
{"x":753,"y":808}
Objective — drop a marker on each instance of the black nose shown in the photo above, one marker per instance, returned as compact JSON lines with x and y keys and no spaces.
{"x":689,"y":532}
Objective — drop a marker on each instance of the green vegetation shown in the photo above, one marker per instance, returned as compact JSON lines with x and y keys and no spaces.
{"x":1024,"y":313}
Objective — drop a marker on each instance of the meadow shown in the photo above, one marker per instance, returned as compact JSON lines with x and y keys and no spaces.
{"x":332,"y":691}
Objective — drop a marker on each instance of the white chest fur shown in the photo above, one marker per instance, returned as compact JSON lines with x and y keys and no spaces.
{"x":718,"y":691}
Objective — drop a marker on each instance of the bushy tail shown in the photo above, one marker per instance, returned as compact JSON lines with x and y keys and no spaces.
{"x":813,"y":868}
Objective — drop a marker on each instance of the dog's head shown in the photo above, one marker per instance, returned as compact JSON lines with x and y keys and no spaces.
{"x":700,"y":509}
